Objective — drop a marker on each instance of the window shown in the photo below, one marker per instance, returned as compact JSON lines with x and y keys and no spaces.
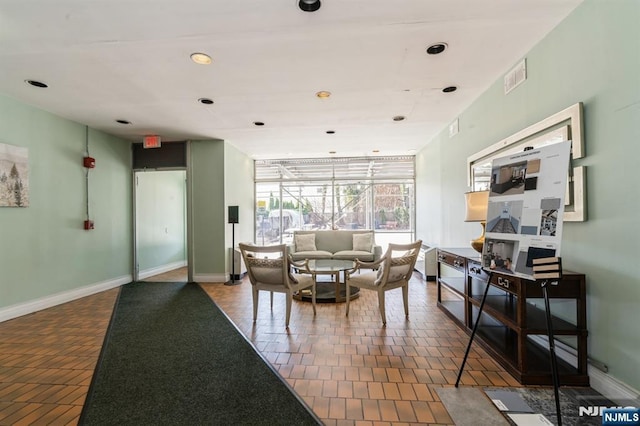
{"x":335,"y":193}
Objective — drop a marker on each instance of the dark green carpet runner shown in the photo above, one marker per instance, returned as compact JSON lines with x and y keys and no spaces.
{"x":171,"y":357}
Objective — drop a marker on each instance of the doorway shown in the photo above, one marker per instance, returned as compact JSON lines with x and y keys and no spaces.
{"x":160,"y":226}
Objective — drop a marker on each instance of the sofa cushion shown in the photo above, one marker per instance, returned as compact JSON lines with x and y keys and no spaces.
{"x":316,"y":254}
{"x":305,"y":242}
{"x":333,"y":241}
{"x":363,"y":242}
{"x":365,"y":256}
{"x":330,"y":242}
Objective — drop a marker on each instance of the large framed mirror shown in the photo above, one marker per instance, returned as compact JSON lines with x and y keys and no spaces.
{"x":562,"y":126}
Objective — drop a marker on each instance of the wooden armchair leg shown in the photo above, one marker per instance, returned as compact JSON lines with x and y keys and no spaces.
{"x":383,"y":314}
{"x":255,"y":302}
{"x":405,"y":299}
{"x":289,"y":300}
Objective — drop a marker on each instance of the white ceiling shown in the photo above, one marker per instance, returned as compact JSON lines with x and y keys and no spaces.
{"x":129,"y":59}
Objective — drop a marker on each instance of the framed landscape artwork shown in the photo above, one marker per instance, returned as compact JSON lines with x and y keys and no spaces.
{"x":14,"y":176}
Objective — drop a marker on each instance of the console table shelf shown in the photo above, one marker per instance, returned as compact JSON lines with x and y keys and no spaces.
{"x":457,"y":285}
{"x":512,"y":327}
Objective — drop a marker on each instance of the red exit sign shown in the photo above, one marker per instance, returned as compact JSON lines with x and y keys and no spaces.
{"x":152,"y":141}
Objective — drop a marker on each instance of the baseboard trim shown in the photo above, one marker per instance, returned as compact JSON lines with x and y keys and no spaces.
{"x":20,"y":309}
{"x":607,"y":385}
{"x":211,"y":278}
{"x":612,"y":388}
{"x":161,"y":269}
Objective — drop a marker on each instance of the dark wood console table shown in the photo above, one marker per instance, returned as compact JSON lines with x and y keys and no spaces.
{"x":512,"y":327}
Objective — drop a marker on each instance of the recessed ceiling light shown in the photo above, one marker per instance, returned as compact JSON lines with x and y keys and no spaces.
{"x":323,"y":94}
{"x":436,"y":48}
{"x":258,"y":123}
{"x":36,"y":83}
{"x":332,"y":152}
{"x":375,"y":151}
{"x":205,"y":101}
{"x":449,"y":89}
{"x":123,"y":121}
{"x":201,"y":58}
{"x":309,"y":5}
{"x":331,"y":132}
{"x":398,"y":118}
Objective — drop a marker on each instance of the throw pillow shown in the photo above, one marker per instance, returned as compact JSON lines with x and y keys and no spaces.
{"x":363,"y":242}
{"x":305,"y":242}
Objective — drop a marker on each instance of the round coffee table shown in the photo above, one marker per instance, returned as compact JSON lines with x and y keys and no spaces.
{"x":329,"y":291}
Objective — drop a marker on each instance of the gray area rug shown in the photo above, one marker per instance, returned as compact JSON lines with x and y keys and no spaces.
{"x":471,"y":406}
{"x":542,"y":400}
{"x":172,"y":357}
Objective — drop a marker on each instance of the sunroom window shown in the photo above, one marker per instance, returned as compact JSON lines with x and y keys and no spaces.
{"x":335,"y":193}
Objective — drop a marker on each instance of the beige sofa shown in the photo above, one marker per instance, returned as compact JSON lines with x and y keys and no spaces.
{"x":339,"y":244}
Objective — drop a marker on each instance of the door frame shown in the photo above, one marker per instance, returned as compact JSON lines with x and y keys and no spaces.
{"x":188,"y":215}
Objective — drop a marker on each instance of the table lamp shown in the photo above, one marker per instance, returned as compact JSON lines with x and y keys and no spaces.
{"x":476,"y":203}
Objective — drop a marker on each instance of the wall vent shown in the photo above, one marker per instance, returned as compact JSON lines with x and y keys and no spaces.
{"x":515,"y":77}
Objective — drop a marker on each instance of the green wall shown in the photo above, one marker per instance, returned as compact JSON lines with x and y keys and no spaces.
{"x":593,"y":57}
{"x":43,"y":248}
{"x":239,"y":183}
{"x":238,"y":189}
{"x":222,"y":176}
{"x":45,"y":251}
{"x":160,"y":219}
{"x":208,"y":211}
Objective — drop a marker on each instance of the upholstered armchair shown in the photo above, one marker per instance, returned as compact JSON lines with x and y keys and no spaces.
{"x":394,"y":270}
{"x":270,"y":269}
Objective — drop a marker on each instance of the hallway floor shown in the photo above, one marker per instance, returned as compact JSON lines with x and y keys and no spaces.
{"x":349,"y":370}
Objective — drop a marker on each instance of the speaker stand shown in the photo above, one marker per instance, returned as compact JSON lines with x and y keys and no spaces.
{"x":233,"y":257}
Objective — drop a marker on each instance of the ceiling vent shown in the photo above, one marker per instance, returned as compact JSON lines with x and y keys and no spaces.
{"x":515,"y":77}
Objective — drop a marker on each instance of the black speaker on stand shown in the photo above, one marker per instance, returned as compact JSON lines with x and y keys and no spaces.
{"x":233,"y":219}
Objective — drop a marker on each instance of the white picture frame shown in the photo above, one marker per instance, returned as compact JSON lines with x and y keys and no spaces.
{"x":564,"y":125}
{"x":14,"y":176}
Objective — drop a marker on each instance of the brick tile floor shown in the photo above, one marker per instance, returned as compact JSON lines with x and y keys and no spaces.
{"x":349,"y":370}
{"x":352,"y":370}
